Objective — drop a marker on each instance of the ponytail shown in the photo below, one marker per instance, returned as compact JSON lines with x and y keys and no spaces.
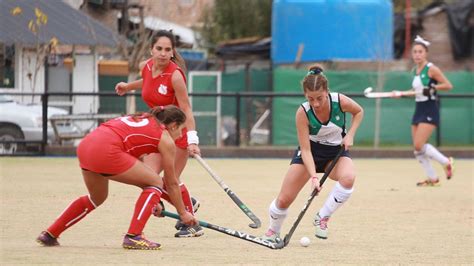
{"x":315,"y":79}
{"x":168,"y":114}
{"x":179,"y":60}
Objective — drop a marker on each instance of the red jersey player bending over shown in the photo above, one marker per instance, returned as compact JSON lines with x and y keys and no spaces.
{"x":111,"y":152}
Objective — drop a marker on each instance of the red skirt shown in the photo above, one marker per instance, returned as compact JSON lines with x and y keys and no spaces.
{"x":102,"y":151}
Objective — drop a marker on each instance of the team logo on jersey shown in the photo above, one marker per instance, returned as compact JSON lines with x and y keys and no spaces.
{"x":422,"y":75}
{"x":163,"y":89}
{"x":429,"y":118}
{"x":337,"y":118}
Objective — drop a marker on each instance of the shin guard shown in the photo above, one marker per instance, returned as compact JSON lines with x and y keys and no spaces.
{"x":144,"y":206}
{"x":425,"y":163}
{"x":277,"y":217}
{"x":188,"y":204}
{"x":77,"y":210}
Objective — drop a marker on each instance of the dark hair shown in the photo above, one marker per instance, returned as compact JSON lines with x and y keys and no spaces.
{"x":164,"y":114}
{"x":315,"y":79}
{"x":177,"y":58}
{"x":168,"y":114}
{"x":422,"y":44}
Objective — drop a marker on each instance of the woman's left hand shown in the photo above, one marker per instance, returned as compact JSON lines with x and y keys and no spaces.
{"x":194,"y":149}
{"x":347,"y":141}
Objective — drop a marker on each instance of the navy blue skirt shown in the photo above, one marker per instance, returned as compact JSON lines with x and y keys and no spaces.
{"x":322,"y":155}
{"x":426,"y":112}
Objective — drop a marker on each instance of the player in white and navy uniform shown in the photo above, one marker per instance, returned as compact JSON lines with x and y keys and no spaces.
{"x":428,"y":79}
{"x":325,"y":137}
{"x":321,"y":128}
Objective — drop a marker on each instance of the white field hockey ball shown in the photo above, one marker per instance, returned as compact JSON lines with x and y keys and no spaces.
{"x":304,"y":241}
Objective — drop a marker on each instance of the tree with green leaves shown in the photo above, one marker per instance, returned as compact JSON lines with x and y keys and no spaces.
{"x":228,"y":20}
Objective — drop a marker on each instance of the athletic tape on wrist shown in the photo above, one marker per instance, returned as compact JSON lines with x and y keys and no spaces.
{"x":192,"y":137}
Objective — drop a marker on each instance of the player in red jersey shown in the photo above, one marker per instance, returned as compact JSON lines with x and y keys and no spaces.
{"x":111,"y":152}
{"x":164,"y":83}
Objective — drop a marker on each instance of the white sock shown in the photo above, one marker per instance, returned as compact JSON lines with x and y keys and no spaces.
{"x":338,"y":196}
{"x":277,"y":216}
{"x":434,"y":154}
{"x":425,"y":163}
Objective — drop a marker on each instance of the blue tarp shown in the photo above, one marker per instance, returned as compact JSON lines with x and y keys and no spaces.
{"x":332,"y":30}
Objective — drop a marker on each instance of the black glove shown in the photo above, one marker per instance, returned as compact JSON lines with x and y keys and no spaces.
{"x":429,"y":91}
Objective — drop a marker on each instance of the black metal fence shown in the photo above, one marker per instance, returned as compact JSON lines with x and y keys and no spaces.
{"x":237,"y":96}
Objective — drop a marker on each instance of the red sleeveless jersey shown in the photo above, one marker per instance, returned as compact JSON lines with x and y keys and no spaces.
{"x":159,"y":90}
{"x":139,"y":135}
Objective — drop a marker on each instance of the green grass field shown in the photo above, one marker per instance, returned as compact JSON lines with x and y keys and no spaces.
{"x":388,"y":220}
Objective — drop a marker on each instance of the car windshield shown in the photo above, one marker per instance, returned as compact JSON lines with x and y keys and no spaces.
{"x":5,"y":99}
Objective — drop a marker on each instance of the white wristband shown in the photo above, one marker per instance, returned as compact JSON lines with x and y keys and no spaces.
{"x":192,"y":137}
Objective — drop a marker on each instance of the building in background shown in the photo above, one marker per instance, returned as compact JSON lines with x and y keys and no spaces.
{"x":39,"y":34}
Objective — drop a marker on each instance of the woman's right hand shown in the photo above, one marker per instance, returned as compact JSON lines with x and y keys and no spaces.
{"x":188,"y":219}
{"x":121,"y":88}
{"x":396,"y":94}
{"x":194,"y":149}
{"x":315,"y":184}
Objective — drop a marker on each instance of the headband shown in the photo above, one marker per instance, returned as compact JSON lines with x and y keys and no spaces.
{"x":314,"y":72}
{"x":420,"y":40}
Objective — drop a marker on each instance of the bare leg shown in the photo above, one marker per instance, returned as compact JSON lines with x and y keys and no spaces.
{"x":181,"y":160}
{"x":421,"y":134}
{"x":295,"y":179}
{"x":97,"y":185}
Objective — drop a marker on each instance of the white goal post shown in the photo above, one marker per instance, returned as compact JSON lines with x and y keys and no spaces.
{"x":217,"y":112}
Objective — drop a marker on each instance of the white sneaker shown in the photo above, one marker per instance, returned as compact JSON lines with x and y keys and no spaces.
{"x":321,"y":226}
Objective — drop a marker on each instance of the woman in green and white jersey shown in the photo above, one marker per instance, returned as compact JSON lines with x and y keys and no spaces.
{"x":427,"y":80}
{"x":321,"y":129}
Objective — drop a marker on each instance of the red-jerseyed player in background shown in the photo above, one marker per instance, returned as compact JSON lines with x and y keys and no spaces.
{"x":111,"y":152}
{"x":163,"y":83}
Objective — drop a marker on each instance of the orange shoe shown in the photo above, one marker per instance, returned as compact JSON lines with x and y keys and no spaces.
{"x":449,"y":168}
{"x":428,"y":183}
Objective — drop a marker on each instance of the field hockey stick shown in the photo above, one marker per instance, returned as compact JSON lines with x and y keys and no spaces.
{"x":369,"y":93}
{"x":256,"y":221}
{"x":228,"y":231}
{"x":286,"y":240}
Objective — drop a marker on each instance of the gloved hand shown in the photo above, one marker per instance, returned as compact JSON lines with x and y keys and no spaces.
{"x":430,"y":90}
